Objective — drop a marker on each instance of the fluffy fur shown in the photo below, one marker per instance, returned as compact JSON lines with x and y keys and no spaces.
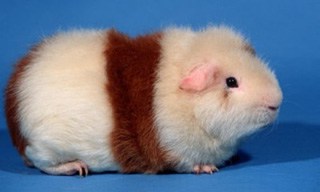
{"x":12,"y":102}
{"x":63,"y":109}
{"x":70,"y":101}
{"x":131,"y":67}
{"x":205,"y":127}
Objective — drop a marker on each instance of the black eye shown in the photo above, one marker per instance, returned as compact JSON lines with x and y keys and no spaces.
{"x":231,"y":82}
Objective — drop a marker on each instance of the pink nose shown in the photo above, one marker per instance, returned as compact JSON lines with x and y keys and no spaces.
{"x":273,"y":101}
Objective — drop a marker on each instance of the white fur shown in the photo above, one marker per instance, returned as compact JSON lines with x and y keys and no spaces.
{"x":64,"y":111}
{"x":204,"y":127}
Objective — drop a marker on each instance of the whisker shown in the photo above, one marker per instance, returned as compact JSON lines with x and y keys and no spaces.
{"x":293,"y":103}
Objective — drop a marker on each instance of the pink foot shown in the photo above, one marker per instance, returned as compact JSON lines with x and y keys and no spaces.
{"x":209,"y":169}
{"x":69,"y":168}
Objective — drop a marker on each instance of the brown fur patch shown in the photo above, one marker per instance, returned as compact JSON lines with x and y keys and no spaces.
{"x":11,"y":103}
{"x":131,"y":70}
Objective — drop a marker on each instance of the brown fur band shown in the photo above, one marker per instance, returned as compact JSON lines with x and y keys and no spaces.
{"x":131,"y":70}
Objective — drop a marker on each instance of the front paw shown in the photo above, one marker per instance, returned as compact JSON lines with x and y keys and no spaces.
{"x":205,"y":168}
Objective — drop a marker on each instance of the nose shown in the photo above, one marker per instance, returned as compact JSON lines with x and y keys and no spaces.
{"x":274,"y":100}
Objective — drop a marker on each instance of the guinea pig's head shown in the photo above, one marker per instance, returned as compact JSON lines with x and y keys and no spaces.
{"x":233,"y":92}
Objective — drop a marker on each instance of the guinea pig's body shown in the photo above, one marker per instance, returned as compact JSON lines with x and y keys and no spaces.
{"x":101,"y":101}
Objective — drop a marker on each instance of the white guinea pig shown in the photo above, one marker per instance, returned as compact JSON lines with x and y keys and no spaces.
{"x":177,"y":100}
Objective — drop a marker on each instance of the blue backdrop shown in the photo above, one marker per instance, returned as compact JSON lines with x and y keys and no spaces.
{"x":285,"y":157}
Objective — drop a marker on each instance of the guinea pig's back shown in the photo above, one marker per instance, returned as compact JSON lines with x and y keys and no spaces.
{"x":62,"y":104}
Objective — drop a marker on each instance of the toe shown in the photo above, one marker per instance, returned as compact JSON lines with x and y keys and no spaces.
{"x":85,"y":168}
{"x":207,"y":169}
{"x":214,"y":168}
{"x":197,"y":169}
{"x":82,"y":169}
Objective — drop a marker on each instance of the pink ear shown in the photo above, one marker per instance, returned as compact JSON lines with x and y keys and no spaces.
{"x":199,"y":78}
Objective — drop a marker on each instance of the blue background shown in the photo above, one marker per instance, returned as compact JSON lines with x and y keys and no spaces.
{"x":284,"y":157}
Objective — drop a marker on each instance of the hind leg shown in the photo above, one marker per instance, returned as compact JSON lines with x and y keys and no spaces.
{"x":54,"y":162}
{"x":69,"y":168}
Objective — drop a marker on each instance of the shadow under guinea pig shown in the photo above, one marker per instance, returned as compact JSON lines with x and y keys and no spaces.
{"x":284,"y":142}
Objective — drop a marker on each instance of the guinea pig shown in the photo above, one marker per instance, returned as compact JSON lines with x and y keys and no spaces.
{"x":177,"y":100}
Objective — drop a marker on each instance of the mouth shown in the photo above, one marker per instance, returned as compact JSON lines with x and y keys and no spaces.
{"x":273,"y":108}
{"x":267,"y":115}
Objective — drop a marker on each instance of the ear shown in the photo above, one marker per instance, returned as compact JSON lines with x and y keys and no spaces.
{"x":199,"y":78}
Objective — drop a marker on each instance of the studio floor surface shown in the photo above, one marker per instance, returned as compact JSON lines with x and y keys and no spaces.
{"x":283,"y":157}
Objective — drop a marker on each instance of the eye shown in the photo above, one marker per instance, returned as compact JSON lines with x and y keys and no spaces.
{"x":231,"y":82}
